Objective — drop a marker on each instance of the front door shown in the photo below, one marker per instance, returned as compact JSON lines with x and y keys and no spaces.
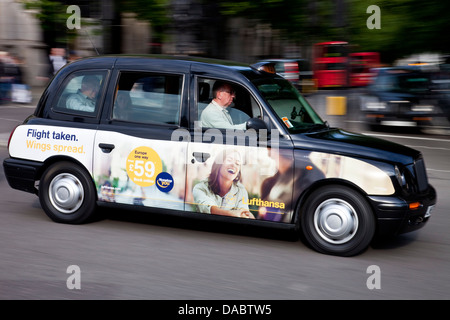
{"x":234,"y":172}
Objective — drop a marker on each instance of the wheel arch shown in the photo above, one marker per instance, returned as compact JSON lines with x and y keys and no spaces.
{"x":62,"y":158}
{"x":319,"y":184}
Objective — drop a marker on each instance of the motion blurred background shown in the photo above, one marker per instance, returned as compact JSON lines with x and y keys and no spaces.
{"x":37,"y":36}
{"x":118,"y":257}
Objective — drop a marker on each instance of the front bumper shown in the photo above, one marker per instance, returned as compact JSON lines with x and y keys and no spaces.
{"x":394,"y":215}
{"x":22,"y":174}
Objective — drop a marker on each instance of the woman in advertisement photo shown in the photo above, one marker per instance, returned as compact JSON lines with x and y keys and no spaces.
{"x":286,"y":184}
{"x":222,"y":193}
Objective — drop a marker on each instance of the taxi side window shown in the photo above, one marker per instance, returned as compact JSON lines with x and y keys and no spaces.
{"x":242,"y":107}
{"x":148,"y":98}
{"x":81,"y":93}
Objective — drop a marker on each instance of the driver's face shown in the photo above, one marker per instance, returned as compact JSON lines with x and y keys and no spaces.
{"x":226,"y":96}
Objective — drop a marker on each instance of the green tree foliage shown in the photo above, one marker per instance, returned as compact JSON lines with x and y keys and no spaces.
{"x":154,"y":11}
{"x":296,"y":19}
{"x":407,"y":27}
{"x":53,"y":17}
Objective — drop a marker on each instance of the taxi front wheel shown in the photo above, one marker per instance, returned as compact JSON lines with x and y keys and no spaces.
{"x":67,"y":193}
{"x":337,"y":220}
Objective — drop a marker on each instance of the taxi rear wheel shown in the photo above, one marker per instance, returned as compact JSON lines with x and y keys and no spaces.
{"x":337,"y":220}
{"x":67,"y":193}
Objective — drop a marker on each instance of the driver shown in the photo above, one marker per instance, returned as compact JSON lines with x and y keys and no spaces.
{"x":216,"y":114}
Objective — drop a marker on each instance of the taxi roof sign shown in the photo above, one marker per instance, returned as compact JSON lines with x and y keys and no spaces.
{"x":268,"y":67}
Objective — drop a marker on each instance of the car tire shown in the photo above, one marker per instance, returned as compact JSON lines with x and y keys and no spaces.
{"x":67,"y":193}
{"x":337,"y":220}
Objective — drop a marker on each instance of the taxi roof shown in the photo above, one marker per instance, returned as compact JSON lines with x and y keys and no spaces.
{"x":175,"y":58}
{"x":200,"y":63}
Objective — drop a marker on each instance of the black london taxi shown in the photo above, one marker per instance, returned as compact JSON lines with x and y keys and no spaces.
{"x":204,"y":139}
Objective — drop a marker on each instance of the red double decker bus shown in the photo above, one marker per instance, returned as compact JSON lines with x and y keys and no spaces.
{"x":331,"y":64}
{"x":361,"y":64}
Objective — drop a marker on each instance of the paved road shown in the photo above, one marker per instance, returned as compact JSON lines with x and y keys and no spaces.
{"x":137,"y":256}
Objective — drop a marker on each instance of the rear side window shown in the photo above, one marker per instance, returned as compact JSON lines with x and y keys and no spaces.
{"x":148,"y":98}
{"x":81,"y":92}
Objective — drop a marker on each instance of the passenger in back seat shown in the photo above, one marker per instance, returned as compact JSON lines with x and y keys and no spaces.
{"x":85,"y":98}
{"x":122,"y":106}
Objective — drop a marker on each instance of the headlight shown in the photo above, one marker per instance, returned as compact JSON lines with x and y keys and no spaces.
{"x":375,"y":105}
{"x":400,"y":177}
{"x":370,"y":103}
{"x":422,"y":108}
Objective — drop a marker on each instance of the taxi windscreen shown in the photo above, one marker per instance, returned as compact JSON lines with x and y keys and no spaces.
{"x":289,"y":105}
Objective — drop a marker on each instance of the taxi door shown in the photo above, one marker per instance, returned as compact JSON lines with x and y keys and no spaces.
{"x":135,"y":160}
{"x":234,"y":172}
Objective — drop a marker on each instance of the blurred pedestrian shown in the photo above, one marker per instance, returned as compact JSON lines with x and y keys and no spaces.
{"x":73,"y":55}
{"x":20,"y":92}
{"x":2,"y":72}
{"x":17,"y":70}
{"x":5,"y":77}
{"x":57,"y":59}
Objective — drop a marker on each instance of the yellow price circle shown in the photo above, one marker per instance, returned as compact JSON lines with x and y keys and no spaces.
{"x":143,"y":165}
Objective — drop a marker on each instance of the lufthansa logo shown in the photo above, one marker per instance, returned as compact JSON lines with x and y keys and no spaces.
{"x":164,"y":182}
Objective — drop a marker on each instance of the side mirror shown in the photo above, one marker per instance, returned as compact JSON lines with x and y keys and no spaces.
{"x":256,"y":124}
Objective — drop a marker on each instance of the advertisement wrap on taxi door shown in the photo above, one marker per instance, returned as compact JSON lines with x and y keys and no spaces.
{"x":234,"y":181}
{"x":237,"y":181}
{"x":141,"y":171}
{"x":164,"y":174}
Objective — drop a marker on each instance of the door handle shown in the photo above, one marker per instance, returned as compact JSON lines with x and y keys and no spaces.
{"x":200,"y":156}
{"x":106,"y":147}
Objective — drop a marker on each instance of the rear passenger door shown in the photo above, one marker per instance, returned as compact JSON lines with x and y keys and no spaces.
{"x":135,"y":161}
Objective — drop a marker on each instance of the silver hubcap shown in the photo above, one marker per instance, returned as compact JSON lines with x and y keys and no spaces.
{"x":66,"y":193}
{"x":335,"y":221}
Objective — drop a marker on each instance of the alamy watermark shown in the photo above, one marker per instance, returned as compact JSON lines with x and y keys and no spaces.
{"x":74,"y":20}
{"x":74,"y":280}
{"x":374,"y":21}
{"x":374,"y":280}
{"x":249,"y":137}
